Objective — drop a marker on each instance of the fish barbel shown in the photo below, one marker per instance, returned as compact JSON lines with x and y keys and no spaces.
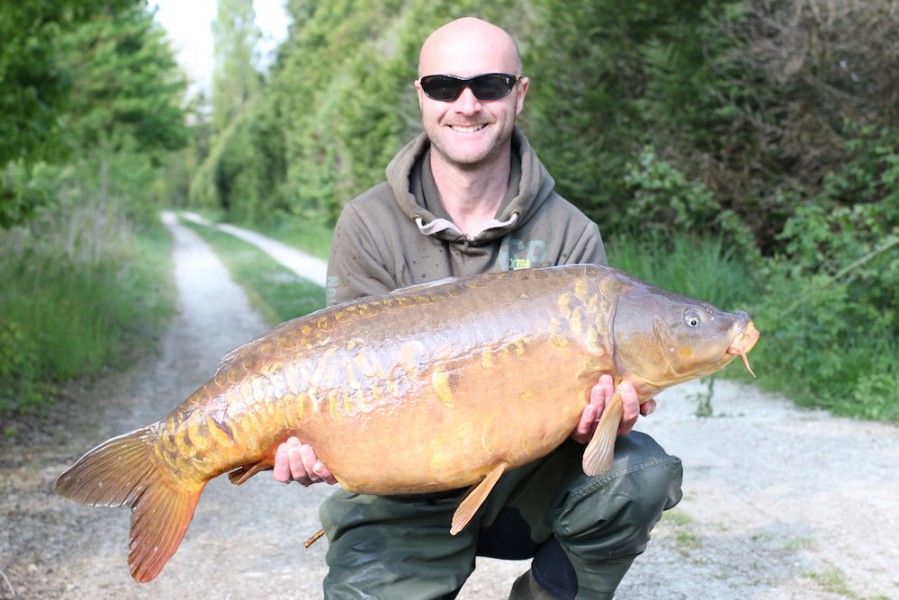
{"x":434,"y":387}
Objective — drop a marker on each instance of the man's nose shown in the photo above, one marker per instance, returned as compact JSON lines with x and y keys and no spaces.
{"x":467,"y":102}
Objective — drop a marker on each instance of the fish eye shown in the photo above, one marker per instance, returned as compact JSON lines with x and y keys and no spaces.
{"x":692,"y":318}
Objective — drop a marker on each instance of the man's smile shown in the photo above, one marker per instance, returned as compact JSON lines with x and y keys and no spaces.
{"x":467,"y":128}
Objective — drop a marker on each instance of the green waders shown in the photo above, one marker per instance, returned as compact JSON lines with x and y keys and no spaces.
{"x":582,"y":532}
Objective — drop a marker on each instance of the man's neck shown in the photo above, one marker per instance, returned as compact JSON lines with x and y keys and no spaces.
{"x":472,"y":197}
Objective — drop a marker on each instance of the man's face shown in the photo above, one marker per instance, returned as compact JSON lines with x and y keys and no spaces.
{"x":467,"y":132}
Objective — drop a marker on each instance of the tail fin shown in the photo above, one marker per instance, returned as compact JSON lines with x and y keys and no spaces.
{"x":122,"y":471}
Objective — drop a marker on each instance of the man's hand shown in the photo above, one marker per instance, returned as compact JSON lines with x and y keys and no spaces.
{"x":601,"y":394}
{"x":295,"y":461}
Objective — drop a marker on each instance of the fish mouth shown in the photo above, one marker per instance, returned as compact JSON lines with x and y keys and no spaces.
{"x":743,"y":342}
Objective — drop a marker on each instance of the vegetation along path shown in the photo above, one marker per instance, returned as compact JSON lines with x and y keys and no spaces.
{"x":779,"y":503}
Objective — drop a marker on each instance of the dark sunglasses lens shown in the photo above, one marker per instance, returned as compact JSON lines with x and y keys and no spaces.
{"x":492,"y":87}
{"x":440,"y":87}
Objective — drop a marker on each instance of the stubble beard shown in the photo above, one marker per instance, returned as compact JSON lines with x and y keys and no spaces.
{"x":471,"y":161}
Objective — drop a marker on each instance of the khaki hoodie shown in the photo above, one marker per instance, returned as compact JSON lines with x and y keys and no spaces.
{"x":398,"y":234}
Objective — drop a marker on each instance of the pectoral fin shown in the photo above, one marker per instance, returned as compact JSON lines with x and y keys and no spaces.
{"x":474,"y":498}
{"x":601,"y":449}
{"x":241,"y":474}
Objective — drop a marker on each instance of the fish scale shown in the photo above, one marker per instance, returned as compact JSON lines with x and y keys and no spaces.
{"x":431,"y":388}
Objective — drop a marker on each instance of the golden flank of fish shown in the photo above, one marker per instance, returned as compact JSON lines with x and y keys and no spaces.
{"x":430,"y":388}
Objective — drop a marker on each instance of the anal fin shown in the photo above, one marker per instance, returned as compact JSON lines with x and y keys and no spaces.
{"x":474,"y":498}
{"x":601,"y":449}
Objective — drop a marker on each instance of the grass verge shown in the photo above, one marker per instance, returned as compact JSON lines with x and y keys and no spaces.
{"x":703,"y":268}
{"x":61,"y":318}
{"x":312,"y":238}
{"x":275,"y":291}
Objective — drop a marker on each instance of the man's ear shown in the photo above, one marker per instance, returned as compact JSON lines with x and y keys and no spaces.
{"x":523,"y":85}
{"x":419,"y":92}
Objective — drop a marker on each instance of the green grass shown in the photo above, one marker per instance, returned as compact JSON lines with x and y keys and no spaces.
{"x":701,"y":268}
{"x":312,"y":238}
{"x":833,"y":580}
{"x":681,"y":524}
{"x":61,"y":319}
{"x":275,"y":291}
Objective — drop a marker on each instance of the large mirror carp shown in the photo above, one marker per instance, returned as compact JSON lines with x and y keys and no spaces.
{"x":434,"y":387}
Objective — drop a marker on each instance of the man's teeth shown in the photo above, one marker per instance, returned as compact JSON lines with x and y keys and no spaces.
{"x":468,"y":129}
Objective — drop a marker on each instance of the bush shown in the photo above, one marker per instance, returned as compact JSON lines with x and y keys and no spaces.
{"x":72,"y":311}
{"x":20,"y":390}
{"x":664,"y":197}
{"x":828,"y":312}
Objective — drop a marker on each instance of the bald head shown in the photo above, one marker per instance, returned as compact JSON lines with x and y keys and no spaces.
{"x":469,"y":46}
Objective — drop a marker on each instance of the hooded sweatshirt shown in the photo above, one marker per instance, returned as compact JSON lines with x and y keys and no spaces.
{"x":398,"y":234}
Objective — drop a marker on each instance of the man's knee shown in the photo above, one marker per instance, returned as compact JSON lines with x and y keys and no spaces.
{"x":605,"y":521}
{"x":390,"y":547}
{"x":612,"y":515}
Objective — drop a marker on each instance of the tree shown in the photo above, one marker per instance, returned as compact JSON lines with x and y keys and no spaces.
{"x":235,"y":82}
{"x":125,"y":114}
{"x":129,"y":86}
{"x":591,"y":68}
{"x":35,"y":88}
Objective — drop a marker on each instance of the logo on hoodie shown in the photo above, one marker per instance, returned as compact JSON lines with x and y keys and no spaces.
{"x":515,"y":254}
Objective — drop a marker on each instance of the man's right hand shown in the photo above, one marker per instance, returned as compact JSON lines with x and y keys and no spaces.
{"x":295,"y":461}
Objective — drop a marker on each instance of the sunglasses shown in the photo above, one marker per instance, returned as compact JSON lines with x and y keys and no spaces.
{"x":447,"y":88}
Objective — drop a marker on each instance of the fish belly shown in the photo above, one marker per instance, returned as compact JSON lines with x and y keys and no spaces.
{"x":455,"y":423}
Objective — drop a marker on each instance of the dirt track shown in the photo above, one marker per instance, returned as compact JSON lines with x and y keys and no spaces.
{"x":779,"y":503}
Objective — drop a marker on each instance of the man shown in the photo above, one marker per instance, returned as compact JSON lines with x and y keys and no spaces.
{"x":466,"y":197}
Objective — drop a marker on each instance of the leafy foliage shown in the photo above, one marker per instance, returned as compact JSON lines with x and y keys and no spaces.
{"x":76,"y":279}
{"x":785,"y":84}
{"x":34,"y":83}
{"x":35,"y":86}
{"x":589,"y":106}
{"x":22,"y":390}
{"x":235,"y":81}
{"x":663,"y":196}
{"x":128,"y":87}
{"x":831,"y":296}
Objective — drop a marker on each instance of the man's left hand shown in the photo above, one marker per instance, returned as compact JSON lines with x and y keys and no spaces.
{"x":600,"y":395}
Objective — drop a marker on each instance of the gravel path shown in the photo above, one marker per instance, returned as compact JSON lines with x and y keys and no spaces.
{"x":779,"y":503}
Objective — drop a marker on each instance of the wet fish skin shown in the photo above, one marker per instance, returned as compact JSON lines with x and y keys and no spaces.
{"x":430,"y":388}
